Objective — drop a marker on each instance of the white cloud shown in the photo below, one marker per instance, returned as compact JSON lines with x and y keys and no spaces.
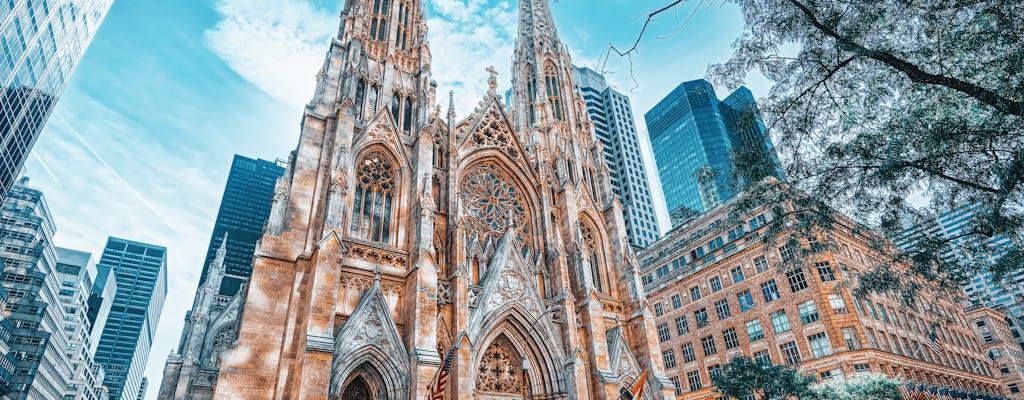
{"x":277,"y":45}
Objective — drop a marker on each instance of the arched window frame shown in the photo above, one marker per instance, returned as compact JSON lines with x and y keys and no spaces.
{"x":375,"y":197}
{"x":531,"y":94}
{"x":396,"y":107}
{"x":408,"y":116}
{"x":592,"y":238}
{"x":374,"y":99}
{"x":360,"y":99}
{"x":553,"y":90}
{"x":379,"y":19}
{"x":402,"y":33}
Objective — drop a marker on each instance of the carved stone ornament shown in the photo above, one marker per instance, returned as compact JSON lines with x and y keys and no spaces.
{"x":500,"y":369}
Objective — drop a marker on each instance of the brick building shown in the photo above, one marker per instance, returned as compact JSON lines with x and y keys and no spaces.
{"x":997,"y":343}
{"x":719,"y":291}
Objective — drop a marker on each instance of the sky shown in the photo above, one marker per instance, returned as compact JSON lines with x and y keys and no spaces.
{"x":140,"y":144}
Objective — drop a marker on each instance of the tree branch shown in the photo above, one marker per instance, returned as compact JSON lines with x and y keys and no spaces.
{"x":915,"y":73}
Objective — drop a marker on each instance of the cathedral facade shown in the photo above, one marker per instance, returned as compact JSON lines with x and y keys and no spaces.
{"x":399,"y":233}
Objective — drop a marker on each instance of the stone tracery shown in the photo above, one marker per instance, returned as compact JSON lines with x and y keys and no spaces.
{"x":500,"y":369}
{"x":375,"y":191}
{"x":491,"y":201}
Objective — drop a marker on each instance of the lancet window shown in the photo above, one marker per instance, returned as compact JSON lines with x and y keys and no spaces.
{"x":374,"y":92}
{"x":531,"y":95}
{"x":372,"y":207}
{"x":396,"y":107}
{"x":554,"y":97}
{"x":402,"y":36}
{"x":440,"y":152}
{"x":360,"y":97}
{"x":407,"y":124}
{"x":594,"y":246}
{"x":379,"y":19}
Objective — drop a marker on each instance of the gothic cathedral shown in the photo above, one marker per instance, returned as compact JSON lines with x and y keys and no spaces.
{"x":399,"y":233}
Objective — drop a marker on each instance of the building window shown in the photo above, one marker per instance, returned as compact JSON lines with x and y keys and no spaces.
{"x":677,"y":301}
{"x":820,"y":345}
{"x":790,"y":353}
{"x":825,"y":272}
{"x":770,"y":291}
{"x":737,"y":275}
{"x":552,"y":86}
{"x":695,"y":293}
{"x":716,"y":284}
{"x":670,"y":358}
{"x":851,"y":338}
{"x":682,"y":327}
{"x":688,"y":354}
{"x":809,"y":312}
{"x":1014,"y":388}
{"x":702,"y":317}
{"x":787,"y":252}
{"x":722,"y":307}
{"x":402,"y":36}
{"x":797,"y":280}
{"x":663,"y":334}
{"x":761,"y":264}
{"x":832,"y":373}
{"x":838,"y":304}
{"x":763,"y":357}
{"x":987,"y":337}
{"x":659,"y":310}
{"x":746,"y":301}
{"x":861,"y":368}
{"x":708,"y":343}
{"x":780,"y":321}
{"x":694,"y":378}
{"x":677,"y":385}
{"x":754,"y":330}
{"x":731,"y":339}
{"x":379,"y":21}
{"x":375,"y":190}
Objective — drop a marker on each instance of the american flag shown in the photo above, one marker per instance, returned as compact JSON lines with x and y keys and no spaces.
{"x":991,"y":360}
{"x":439,"y":385}
{"x":933,"y":343}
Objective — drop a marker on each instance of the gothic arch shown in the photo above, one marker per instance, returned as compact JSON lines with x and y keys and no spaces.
{"x":489,"y":172}
{"x":533,"y":342}
{"x":369,"y":346}
{"x":595,"y":244}
{"x":377,"y":195}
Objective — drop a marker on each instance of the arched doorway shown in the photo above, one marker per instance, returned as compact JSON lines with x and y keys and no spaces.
{"x":500,"y":372}
{"x":357,"y":389}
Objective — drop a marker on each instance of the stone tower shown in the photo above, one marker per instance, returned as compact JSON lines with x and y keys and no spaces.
{"x":398,"y":233}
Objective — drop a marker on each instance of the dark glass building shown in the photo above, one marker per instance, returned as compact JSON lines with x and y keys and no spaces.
{"x":244,"y":210}
{"x":140,"y":271}
{"x":694,"y":136}
{"x":612,"y":115}
{"x":41,"y":43}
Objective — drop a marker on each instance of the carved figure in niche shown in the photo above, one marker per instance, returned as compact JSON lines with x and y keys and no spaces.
{"x":491,"y":202}
{"x":501,"y":369}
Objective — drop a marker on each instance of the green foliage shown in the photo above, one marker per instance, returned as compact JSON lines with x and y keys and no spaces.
{"x":878,"y":102}
{"x":859,"y":387}
{"x":743,"y":376}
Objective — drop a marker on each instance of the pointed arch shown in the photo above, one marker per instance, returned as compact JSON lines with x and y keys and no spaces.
{"x":539,"y":361}
{"x":531,"y":94}
{"x":379,"y":19}
{"x":373,"y":208}
{"x":360,"y":97}
{"x":491,"y":196}
{"x":593,"y":239}
{"x":553,"y":87}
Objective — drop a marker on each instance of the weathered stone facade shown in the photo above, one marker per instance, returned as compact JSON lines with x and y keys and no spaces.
{"x":210,"y":327}
{"x":398,"y":232}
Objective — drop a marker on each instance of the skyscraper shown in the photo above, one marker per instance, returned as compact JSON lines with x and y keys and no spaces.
{"x":77,"y":273}
{"x":612,"y":115}
{"x":694,"y":137}
{"x":244,"y":209}
{"x":41,"y":43}
{"x":31,"y":281}
{"x":140,"y":271}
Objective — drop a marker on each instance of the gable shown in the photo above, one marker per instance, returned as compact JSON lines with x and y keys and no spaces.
{"x":492,"y":130}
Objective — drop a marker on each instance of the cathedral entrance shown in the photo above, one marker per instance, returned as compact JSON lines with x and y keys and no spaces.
{"x":356,"y":390}
{"x":500,"y":373}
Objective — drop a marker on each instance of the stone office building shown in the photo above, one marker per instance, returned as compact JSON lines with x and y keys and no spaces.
{"x":719,"y":292}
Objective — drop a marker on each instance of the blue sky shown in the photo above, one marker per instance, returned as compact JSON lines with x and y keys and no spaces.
{"x":140,"y":144}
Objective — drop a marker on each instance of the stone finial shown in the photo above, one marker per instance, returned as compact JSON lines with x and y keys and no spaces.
{"x":492,"y":81}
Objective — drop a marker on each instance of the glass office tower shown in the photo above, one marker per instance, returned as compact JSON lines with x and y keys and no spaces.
{"x":244,"y":210}
{"x":694,"y":136}
{"x":614,"y":126}
{"x":140,"y":271}
{"x":41,"y":42}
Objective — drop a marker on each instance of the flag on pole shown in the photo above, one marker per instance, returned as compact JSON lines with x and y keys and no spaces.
{"x":439,"y":385}
{"x":991,"y":360}
{"x":933,"y":343}
{"x":638,"y":387}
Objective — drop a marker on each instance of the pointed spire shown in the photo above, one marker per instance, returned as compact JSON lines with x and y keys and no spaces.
{"x":451,"y":106}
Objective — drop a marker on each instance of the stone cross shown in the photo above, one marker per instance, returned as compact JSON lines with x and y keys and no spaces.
{"x":492,"y":81}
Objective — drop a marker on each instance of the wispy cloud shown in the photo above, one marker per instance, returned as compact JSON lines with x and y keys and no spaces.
{"x":277,"y":45}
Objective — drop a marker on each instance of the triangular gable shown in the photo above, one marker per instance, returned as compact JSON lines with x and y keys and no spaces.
{"x":370,"y":326}
{"x":382,"y":129}
{"x":492,"y":129}
{"x":623,"y":362}
{"x":507,"y":281}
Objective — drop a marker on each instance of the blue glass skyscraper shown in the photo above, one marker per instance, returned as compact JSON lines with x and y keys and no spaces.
{"x":694,"y":136}
{"x":140,"y":271}
{"x":244,"y":210}
{"x":41,"y":43}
